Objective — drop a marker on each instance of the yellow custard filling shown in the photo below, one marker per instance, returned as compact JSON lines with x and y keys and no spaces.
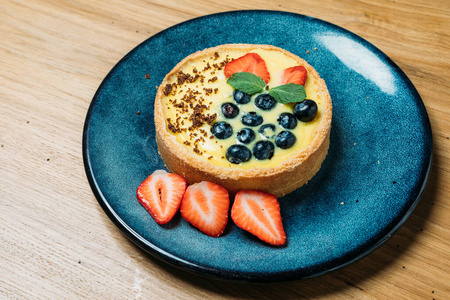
{"x":192,"y":103}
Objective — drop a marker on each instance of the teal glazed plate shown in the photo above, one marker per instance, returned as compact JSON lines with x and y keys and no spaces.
{"x":375,"y":172}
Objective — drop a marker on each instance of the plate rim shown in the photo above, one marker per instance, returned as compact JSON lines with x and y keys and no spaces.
{"x":255,"y":277}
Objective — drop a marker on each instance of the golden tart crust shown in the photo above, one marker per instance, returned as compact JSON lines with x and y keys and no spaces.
{"x":196,"y":165}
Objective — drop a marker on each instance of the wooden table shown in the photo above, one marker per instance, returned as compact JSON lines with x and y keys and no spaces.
{"x":55,"y":240}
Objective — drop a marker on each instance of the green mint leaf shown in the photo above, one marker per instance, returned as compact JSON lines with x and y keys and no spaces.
{"x":247,"y":82}
{"x":288,"y":93}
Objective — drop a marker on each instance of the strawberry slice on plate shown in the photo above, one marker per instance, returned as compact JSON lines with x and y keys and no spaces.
{"x":259,"y":213}
{"x":251,"y":63}
{"x":297,"y":74}
{"x":205,"y":205}
{"x":160,"y":194}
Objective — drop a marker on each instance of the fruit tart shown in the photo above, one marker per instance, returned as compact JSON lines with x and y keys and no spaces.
{"x":245,"y":117}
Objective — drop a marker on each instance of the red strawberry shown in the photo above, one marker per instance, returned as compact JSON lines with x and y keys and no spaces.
{"x":251,"y":63}
{"x":295,"y":74}
{"x":205,"y":205}
{"x":259,"y":213}
{"x":161,"y":195}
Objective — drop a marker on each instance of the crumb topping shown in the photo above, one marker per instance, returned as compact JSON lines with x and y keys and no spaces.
{"x":192,"y":104}
{"x":168,"y":89}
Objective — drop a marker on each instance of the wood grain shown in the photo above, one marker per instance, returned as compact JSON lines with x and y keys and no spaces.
{"x":55,"y":240}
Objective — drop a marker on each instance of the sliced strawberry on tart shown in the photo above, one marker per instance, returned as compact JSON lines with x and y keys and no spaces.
{"x":251,"y":63}
{"x":296,"y":74}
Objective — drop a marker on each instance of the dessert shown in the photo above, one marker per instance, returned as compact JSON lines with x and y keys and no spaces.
{"x":209,"y":129}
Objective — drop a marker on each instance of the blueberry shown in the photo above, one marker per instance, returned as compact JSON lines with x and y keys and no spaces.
{"x":285,"y":140}
{"x":246,"y":135}
{"x":265,"y":102}
{"x":241,"y":97}
{"x":230,"y":110}
{"x":238,"y":153}
{"x":263,"y":150}
{"x":287,"y":120}
{"x":267,"y":131}
{"x":252,"y":119}
{"x":222,"y":130}
{"x":306,"y":110}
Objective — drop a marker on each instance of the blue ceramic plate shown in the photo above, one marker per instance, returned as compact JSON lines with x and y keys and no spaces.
{"x":371,"y":180}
